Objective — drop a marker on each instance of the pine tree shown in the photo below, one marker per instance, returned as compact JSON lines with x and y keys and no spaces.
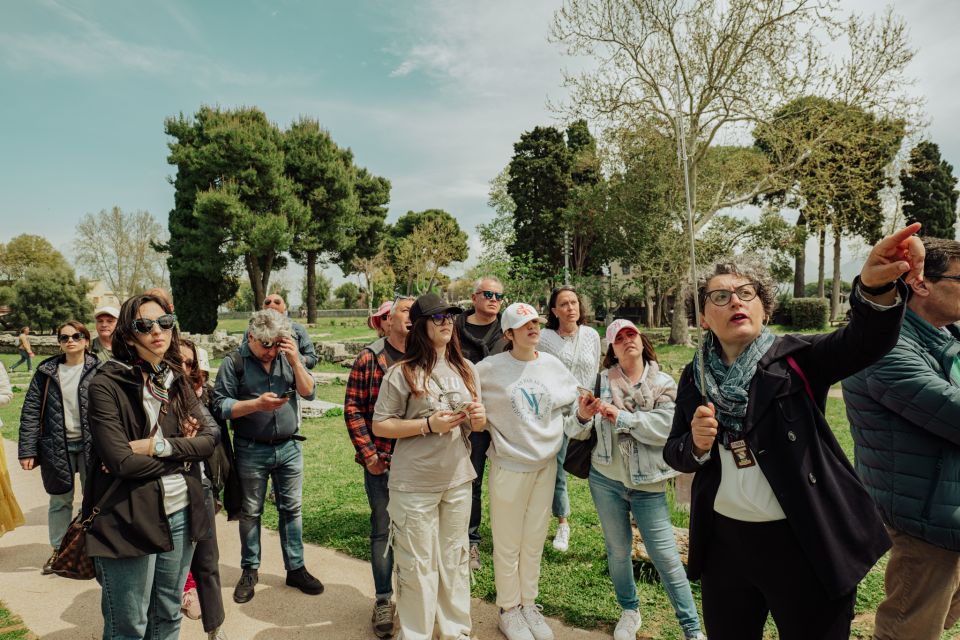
{"x":929,"y":192}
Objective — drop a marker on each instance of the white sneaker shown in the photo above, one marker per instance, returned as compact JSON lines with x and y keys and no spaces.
{"x":537,"y":625}
{"x":513,"y":625}
{"x":628,"y":625}
{"x":699,"y":636}
{"x":217,"y":634}
{"x":561,"y":541}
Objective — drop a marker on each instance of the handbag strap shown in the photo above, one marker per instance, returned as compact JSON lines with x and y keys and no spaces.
{"x":43,"y":401}
{"x":103,"y":499}
{"x":796,"y":367}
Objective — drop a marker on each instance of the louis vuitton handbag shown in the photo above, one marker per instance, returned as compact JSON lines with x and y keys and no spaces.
{"x":72,"y":560}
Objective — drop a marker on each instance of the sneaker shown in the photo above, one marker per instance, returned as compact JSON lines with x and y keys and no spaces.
{"x":699,"y":636}
{"x":382,"y":620}
{"x":217,"y":634}
{"x":513,"y":625}
{"x":301,"y":579}
{"x":535,"y":622}
{"x":48,"y":565}
{"x":191,"y":604}
{"x":475,"y":564}
{"x":628,"y":625}
{"x":561,"y":541}
{"x":243,"y":592}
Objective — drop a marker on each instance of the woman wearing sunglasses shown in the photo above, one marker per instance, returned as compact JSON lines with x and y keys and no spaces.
{"x":779,"y":522}
{"x":55,"y":429}
{"x":578,"y":348}
{"x":149,"y":432}
{"x":430,"y":401}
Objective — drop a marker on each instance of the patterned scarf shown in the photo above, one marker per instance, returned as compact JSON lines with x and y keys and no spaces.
{"x":158,"y":379}
{"x":643,"y":397}
{"x":729,"y":387}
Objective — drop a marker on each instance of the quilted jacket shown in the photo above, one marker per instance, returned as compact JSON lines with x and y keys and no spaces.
{"x":904,"y":413}
{"x":47,"y":442}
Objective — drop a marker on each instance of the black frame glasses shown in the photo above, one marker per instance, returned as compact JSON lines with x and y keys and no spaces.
{"x":145,"y":325}
{"x":272,"y":301}
{"x":722,"y":297}
{"x":65,"y":338}
{"x":936,"y":276}
{"x":490,"y":295}
{"x":270,"y":345}
{"x":439,"y":319}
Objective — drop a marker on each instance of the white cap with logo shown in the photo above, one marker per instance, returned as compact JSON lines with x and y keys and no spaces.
{"x":517,"y":315}
{"x":617,"y":326}
{"x":203,"y":360}
{"x":107,"y":311}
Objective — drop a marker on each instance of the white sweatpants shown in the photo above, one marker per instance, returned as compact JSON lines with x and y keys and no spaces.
{"x":519,"y":518}
{"x":431,"y":556}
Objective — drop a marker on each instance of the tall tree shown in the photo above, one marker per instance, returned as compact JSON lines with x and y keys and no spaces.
{"x":118,"y":248}
{"x":234,"y":207}
{"x":930,"y":191}
{"x":416,"y":255}
{"x":26,"y":251}
{"x":45,"y":296}
{"x":368,"y":228}
{"x":323,"y":176}
{"x":737,"y":62}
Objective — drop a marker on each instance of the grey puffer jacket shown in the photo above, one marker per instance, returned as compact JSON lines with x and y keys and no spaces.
{"x":47,"y":442}
{"x":904,"y":413}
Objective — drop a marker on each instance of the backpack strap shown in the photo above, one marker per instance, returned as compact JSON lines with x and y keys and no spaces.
{"x":596,"y":387}
{"x":237,"y":360}
{"x":806,"y":383}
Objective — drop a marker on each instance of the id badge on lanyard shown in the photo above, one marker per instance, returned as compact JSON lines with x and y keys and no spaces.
{"x":742,"y":455}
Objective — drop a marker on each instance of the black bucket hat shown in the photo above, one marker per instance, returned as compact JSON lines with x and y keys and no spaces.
{"x":430,"y":304}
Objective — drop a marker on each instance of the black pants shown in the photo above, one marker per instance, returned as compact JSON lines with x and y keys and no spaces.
{"x":479,"y":443}
{"x":205,"y":567}
{"x":751,"y":569}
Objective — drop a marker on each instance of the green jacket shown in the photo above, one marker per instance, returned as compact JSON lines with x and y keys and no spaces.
{"x":904,"y":413}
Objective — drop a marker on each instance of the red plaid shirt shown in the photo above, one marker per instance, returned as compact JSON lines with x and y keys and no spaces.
{"x":363,"y":387}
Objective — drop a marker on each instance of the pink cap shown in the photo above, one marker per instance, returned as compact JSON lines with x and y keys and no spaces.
{"x":374,"y":321}
{"x":617,"y":326}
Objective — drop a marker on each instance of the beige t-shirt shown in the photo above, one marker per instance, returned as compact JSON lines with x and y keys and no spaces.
{"x":434,"y":462}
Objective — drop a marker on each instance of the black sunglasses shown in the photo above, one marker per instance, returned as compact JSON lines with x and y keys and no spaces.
{"x":145,"y":325}
{"x":439,"y":319}
{"x":64,"y":338}
{"x":489,"y":295}
{"x":937,"y":276}
{"x":272,"y":301}
{"x":270,"y":345}
{"x":188,"y":363}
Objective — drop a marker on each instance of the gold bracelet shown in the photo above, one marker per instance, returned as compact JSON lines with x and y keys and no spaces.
{"x":422,"y":432}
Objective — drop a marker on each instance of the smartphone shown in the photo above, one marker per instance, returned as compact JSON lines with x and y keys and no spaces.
{"x":583,"y":391}
{"x":289,"y":393}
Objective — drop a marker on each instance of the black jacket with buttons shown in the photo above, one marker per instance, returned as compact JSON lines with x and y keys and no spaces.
{"x":46,"y":442}
{"x":834,"y":519}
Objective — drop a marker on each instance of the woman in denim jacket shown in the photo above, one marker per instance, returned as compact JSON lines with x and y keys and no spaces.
{"x":633,"y":416}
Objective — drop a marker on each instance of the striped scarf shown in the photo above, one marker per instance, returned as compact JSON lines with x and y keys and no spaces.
{"x":158,"y":379}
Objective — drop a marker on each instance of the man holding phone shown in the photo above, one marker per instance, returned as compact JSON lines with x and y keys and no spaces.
{"x":260,"y":399}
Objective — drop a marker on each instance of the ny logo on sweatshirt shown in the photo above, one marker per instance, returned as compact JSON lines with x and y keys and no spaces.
{"x":530,"y":398}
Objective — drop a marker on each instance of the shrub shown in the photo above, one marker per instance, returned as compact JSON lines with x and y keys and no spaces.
{"x":809,"y":313}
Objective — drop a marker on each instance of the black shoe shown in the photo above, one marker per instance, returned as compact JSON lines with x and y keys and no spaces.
{"x":301,"y":579}
{"x":48,"y":565}
{"x":243,"y":592}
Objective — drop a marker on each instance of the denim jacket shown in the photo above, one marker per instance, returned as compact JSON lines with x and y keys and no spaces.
{"x":648,"y":431}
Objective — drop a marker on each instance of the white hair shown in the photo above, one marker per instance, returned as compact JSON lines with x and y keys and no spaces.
{"x":482,"y":279}
{"x":269,"y":324}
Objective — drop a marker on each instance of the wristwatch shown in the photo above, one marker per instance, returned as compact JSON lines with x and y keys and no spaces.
{"x":876,"y":291}
{"x":159,"y":446}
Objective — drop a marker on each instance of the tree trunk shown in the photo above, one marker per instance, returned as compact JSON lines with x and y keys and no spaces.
{"x":679,"y":326}
{"x":256,"y":281}
{"x":800,"y":264}
{"x":835,"y":290}
{"x":648,"y":318}
{"x":311,"y":287}
{"x":821,"y":264}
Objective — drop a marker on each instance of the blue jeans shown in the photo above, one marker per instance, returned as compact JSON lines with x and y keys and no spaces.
{"x":283,"y":462}
{"x":60,"y":511}
{"x":24,"y":357}
{"x":381,"y":555}
{"x":141,"y":597}
{"x":561,"y":499}
{"x":614,"y":504}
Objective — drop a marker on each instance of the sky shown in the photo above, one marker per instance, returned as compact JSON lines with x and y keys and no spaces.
{"x":430,"y":94}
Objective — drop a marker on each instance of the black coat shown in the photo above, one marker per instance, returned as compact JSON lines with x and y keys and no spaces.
{"x":476,"y":350}
{"x":834,"y":519}
{"x":132,"y":522}
{"x":47,"y":442}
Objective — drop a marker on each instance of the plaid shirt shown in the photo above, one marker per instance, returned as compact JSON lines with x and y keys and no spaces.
{"x":363,"y":387}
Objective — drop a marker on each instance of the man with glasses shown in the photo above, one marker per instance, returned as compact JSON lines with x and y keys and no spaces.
{"x":373,"y":452}
{"x":904,"y":413}
{"x":260,"y":398}
{"x":480,"y":336}
{"x":308,"y":352}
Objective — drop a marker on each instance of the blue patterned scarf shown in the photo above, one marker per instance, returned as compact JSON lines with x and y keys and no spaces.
{"x":729,"y":387}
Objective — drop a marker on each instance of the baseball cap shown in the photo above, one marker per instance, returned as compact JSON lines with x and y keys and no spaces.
{"x":376,"y":319}
{"x":617,"y":326}
{"x":429,"y":304}
{"x":110,"y":311}
{"x":517,"y":315}
{"x":203,"y":360}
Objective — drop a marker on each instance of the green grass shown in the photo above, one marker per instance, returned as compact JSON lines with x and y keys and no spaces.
{"x":11,"y":626}
{"x":325,"y":329}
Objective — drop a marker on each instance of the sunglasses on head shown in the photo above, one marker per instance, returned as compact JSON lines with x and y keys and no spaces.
{"x":439,"y":319}
{"x":64,"y":338}
{"x":490,"y":295}
{"x":145,"y":325}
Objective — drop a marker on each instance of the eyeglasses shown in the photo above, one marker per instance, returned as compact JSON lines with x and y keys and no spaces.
{"x":145,"y":325}
{"x":722,"y":297}
{"x":490,"y":295}
{"x":64,"y":338}
{"x":270,"y":345}
{"x":188,"y":363}
{"x":937,"y":276}
{"x":439,"y":319}
{"x":275,"y":301}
